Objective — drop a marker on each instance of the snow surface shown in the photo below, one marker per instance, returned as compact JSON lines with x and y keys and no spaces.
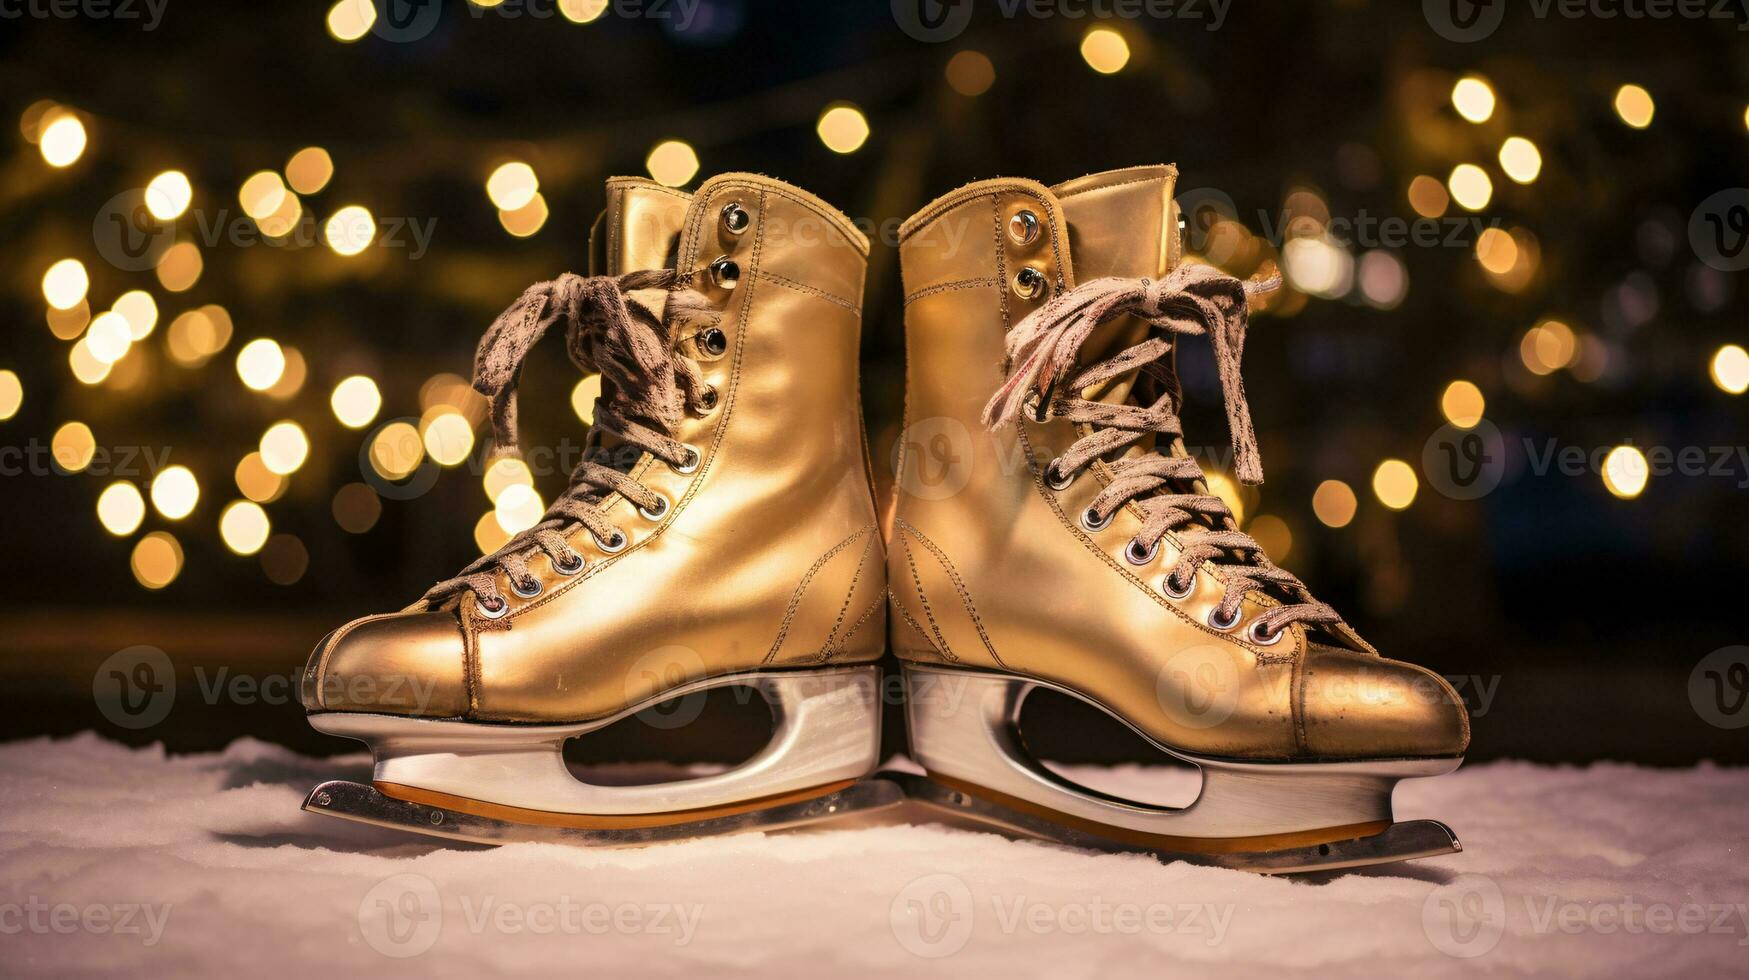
{"x":116,"y":859}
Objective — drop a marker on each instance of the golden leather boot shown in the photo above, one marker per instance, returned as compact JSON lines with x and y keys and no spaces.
{"x":1051,"y":531}
{"x":721,"y":531}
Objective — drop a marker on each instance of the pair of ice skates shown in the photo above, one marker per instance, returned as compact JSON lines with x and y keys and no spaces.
{"x":1050,"y":531}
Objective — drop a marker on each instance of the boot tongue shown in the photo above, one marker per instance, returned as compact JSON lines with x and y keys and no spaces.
{"x":640,"y":229}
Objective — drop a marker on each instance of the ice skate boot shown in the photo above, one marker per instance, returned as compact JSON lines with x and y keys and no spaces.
{"x":720,"y":532}
{"x":1051,"y":531}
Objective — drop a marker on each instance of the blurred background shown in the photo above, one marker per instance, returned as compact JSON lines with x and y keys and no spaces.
{"x":250,"y":249}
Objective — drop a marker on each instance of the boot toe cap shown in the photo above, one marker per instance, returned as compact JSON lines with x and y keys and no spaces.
{"x":402,"y":664}
{"x":1358,"y":706}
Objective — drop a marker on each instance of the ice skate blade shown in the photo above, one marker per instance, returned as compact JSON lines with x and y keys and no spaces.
{"x":364,"y":804}
{"x":1279,"y":854}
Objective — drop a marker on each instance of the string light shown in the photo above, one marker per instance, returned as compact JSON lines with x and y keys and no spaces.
{"x":1462,"y":404}
{"x":168,"y":195}
{"x":244,"y":527}
{"x":350,"y":230}
{"x":11,"y":394}
{"x":284,"y":447}
{"x":672,"y":163}
{"x":157,"y":560}
{"x":356,"y":401}
{"x":1730,"y":371}
{"x":1471,"y":186}
{"x":349,"y":20}
{"x":176,"y":492}
{"x":121,"y":509}
{"x":512,"y":185}
{"x":1105,"y":50}
{"x":1625,"y":472}
{"x":843,"y":128}
{"x":1334,"y":503}
{"x":1395,"y":484}
{"x":63,"y":141}
{"x":65,"y":284}
{"x":1635,"y":106}
{"x":1473,"y":98}
{"x":260,"y":363}
{"x":1521,"y":160}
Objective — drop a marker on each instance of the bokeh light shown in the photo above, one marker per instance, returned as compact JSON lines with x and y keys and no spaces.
{"x":244,"y":527}
{"x":356,"y":508}
{"x":350,"y":230}
{"x":157,"y":560}
{"x":518,"y":508}
{"x":512,"y":185}
{"x":260,"y":363}
{"x":582,"y":11}
{"x":256,"y":481}
{"x":285,"y":559}
{"x":449,"y":438}
{"x":309,"y":170}
{"x":1521,"y":160}
{"x":180,"y":266}
{"x":262,"y":194}
{"x":72,"y":446}
{"x":1730,"y":370}
{"x":1548,"y":347}
{"x":1334,"y":503}
{"x":1428,"y":197}
{"x":672,"y":163}
{"x":1105,"y":50}
{"x":65,"y":284}
{"x":396,"y":451}
{"x":349,"y":20}
{"x":1496,"y":250}
{"x":506,"y":472}
{"x":87,"y":369}
{"x":970,"y":73}
{"x":121,"y":509}
{"x":175,"y":492}
{"x":843,"y":128}
{"x":109,"y":337}
{"x":356,"y":401}
{"x":489,"y":535}
{"x":284,"y":448}
{"x":1395,"y":484}
{"x":139,"y":310}
{"x":69,"y":323}
{"x":526,"y":220}
{"x":1384,"y":282}
{"x":63,"y":140}
{"x":1470,"y":186}
{"x":168,"y":195}
{"x":11,"y":394}
{"x":1273,"y":534}
{"x":1635,"y":106}
{"x":583,"y":398}
{"x":1473,"y":98}
{"x":1625,"y":472}
{"x":1462,"y":404}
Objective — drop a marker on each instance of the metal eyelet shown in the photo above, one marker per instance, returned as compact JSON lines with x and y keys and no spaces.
{"x":1055,"y":478}
{"x":522,"y":593}
{"x":690,"y":464}
{"x":713,"y":342}
{"x":1136,"y":556}
{"x":1023,"y":228}
{"x":1220,"y":624}
{"x":492,"y":612}
{"x":725,"y":272}
{"x":1029,"y":283}
{"x":571,"y":567}
{"x":613,"y":545}
{"x":1262,"y":639}
{"x":1091,"y":522}
{"x":736,"y":219}
{"x":1176,"y":591}
{"x":660,"y":511}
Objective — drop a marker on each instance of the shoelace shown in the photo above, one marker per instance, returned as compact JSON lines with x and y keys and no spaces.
{"x":646,"y":382}
{"x":1043,"y":351}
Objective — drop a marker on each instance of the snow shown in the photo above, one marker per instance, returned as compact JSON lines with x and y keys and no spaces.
{"x":115,"y":859}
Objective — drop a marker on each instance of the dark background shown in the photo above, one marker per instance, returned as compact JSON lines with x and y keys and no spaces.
{"x":1572,"y":620}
